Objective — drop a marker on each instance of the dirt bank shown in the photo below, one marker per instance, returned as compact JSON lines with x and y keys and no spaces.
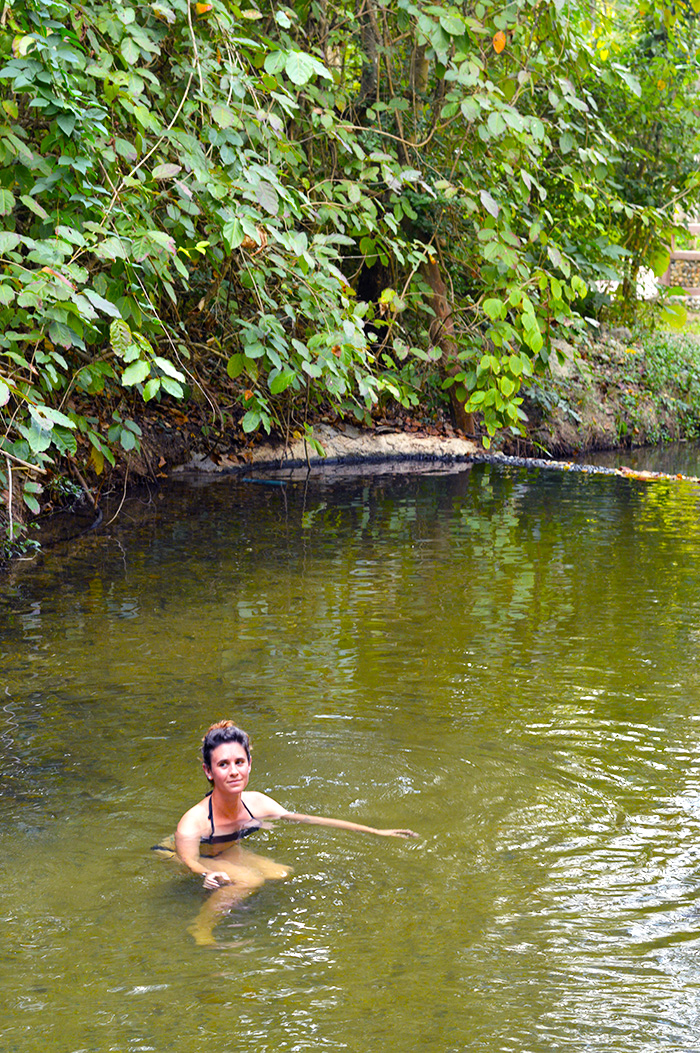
{"x":342,"y":444}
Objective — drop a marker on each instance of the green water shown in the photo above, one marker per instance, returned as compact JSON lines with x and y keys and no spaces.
{"x":504,"y":661}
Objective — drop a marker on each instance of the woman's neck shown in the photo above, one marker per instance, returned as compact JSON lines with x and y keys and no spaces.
{"x":228,"y":805}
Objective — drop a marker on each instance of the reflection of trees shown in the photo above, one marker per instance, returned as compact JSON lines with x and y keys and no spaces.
{"x":464,"y":593}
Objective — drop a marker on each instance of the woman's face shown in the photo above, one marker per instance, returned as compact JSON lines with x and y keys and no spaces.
{"x":230,"y":768}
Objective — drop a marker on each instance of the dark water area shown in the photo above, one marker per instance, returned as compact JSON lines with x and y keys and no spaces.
{"x":505,"y":661}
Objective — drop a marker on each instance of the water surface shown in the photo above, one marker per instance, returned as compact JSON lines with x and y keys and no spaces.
{"x":505,"y":661}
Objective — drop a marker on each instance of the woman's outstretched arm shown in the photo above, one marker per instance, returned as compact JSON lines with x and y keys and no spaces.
{"x":344,"y":824}
{"x":265,"y":807}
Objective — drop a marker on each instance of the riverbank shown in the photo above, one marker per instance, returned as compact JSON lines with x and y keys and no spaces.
{"x":608,"y":392}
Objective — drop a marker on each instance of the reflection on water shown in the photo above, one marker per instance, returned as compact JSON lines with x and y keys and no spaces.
{"x":670,"y":458}
{"x":504,"y":661}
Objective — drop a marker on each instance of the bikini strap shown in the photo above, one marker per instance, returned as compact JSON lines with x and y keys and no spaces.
{"x":211,"y":816}
{"x":248,"y":810}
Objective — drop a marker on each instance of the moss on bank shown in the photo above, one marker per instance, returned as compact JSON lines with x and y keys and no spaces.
{"x":618,"y":390}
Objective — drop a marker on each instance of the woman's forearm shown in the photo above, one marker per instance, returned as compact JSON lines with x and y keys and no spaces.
{"x":190,"y":857}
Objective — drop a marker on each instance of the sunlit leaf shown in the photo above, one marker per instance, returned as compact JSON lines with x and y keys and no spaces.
{"x":166,"y":171}
{"x":135,"y":373}
{"x":300,"y":67}
{"x":489,"y":203}
{"x":21,"y":45}
{"x":8,"y":241}
{"x":674,"y":315}
{"x":660,"y":262}
{"x":164,"y":13}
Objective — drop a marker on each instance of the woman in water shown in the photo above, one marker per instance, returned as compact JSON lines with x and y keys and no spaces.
{"x":208,"y":836}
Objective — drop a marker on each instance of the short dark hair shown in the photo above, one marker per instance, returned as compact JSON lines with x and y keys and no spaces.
{"x":218,"y":734}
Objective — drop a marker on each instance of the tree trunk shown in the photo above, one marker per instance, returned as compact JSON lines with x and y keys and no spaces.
{"x":369,"y":31}
{"x":442,"y":336}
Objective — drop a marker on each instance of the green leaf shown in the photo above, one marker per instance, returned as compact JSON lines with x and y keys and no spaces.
{"x":631,"y":81}
{"x":127,"y":439}
{"x":46,"y":417}
{"x":266,"y":196}
{"x":112,"y":249}
{"x":222,"y":115}
{"x":533,"y":338}
{"x":489,"y":203}
{"x":168,"y":368}
{"x":282,"y":381}
{"x":7,"y":202}
{"x":8,"y":241}
{"x":66,"y":122}
{"x":566,"y":142}
{"x":31,"y":502}
{"x":674,"y":315}
{"x":34,"y":206}
{"x":164,"y":13}
{"x":130,"y":50}
{"x":453,"y":24}
{"x":496,"y":123}
{"x":166,"y":171}
{"x":251,"y":421}
{"x":120,"y":338}
{"x":101,"y":304}
{"x":173,"y":387}
{"x":235,"y":366}
{"x":494,"y":309}
{"x":233,"y":234}
{"x":135,"y":373}
{"x":660,"y":262}
{"x":151,"y":389}
{"x":275,"y":62}
{"x":470,"y":109}
{"x":4,"y":393}
{"x":126,"y":149}
{"x":300,"y":67}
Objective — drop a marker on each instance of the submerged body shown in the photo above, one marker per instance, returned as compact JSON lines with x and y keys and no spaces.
{"x":208,"y":837}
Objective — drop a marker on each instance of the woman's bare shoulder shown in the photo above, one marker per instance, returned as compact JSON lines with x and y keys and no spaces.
{"x":195,"y":819}
{"x":262,"y":806}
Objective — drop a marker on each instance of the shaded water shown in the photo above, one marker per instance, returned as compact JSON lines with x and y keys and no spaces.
{"x":670,"y":458}
{"x":504,"y":661}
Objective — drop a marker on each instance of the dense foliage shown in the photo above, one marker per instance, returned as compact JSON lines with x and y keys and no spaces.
{"x":283,"y":207}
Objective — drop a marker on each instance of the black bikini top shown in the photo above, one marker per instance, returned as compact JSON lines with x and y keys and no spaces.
{"x":236,"y":835}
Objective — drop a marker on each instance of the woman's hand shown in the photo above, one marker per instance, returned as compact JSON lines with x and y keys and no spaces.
{"x":398,"y":833}
{"x":216,"y":878}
